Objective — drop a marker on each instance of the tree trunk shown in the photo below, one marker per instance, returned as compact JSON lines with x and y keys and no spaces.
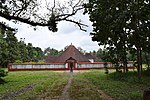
{"x":146,"y":58}
{"x":141,"y":59}
{"x":138,"y":60}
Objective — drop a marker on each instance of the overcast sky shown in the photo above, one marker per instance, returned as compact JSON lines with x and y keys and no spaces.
{"x":67,"y":33}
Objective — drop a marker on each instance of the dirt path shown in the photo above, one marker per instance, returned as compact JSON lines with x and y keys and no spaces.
{"x":11,"y":95}
{"x":104,"y":95}
{"x":65,"y":94}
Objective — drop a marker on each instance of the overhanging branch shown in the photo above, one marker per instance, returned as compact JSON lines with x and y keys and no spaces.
{"x":27,"y":21}
{"x":7,"y":27}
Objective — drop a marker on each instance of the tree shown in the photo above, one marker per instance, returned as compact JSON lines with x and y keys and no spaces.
{"x":38,"y":54}
{"x":12,"y":48}
{"x":50,"y":51}
{"x":3,"y":47}
{"x":30,"y":50}
{"x":103,"y":54}
{"x":31,"y":12}
{"x":120,"y":25}
{"x":23,"y":51}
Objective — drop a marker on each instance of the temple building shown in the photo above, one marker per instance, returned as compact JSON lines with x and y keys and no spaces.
{"x":72,"y":53}
{"x":71,"y":59}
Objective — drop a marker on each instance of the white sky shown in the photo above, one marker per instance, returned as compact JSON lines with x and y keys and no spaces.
{"x":67,"y":33}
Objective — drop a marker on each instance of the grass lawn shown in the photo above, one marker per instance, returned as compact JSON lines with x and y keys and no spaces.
{"x":88,"y":85}
{"x":127,"y":87}
{"x":31,"y":85}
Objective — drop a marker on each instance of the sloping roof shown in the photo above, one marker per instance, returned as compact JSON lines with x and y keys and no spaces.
{"x":73,"y":52}
{"x":90,"y":56}
{"x":51,"y":58}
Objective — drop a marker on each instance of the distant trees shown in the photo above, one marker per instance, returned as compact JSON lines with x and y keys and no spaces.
{"x":121,"y":26}
{"x":12,"y":50}
{"x":50,"y":51}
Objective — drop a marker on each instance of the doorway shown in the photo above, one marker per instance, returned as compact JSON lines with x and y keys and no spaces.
{"x":71,"y":64}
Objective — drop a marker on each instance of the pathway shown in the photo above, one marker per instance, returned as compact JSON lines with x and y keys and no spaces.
{"x":65,"y":94}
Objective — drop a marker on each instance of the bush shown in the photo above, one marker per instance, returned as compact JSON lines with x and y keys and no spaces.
{"x":146,"y":72}
{"x":18,"y":61}
{"x":34,"y":62}
{"x":135,"y":95}
{"x":2,"y":74}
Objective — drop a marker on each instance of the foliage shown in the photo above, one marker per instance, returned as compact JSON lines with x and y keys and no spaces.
{"x":30,"y":12}
{"x":50,"y":51}
{"x":146,"y":72}
{"x":2,"y":74}
{"x":103,"y":54}
{"x":34,"y":63}
{"x":12,"y":50}
{"x":18,"y":61}
{"x":121,"y":26}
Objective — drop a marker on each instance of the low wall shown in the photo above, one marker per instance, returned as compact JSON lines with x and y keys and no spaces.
{"x":94,"y":65}
{"x":50,"y":66}
{"x":62,"y":66}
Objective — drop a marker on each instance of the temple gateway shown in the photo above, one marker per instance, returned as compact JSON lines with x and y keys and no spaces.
{"x":71,"y":59}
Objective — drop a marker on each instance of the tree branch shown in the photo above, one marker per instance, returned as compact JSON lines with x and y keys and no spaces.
{"x":27,"y":21}
{"x":7,"y":27}
{"x":77,"y":23}
{"x":25,"y":14}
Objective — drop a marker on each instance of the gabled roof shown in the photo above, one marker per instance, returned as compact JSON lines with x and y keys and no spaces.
{"x":73,"y":52}
{"x":50,"y":58}
{"x":90,"y":56}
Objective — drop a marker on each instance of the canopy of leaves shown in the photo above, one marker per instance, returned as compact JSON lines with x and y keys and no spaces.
{"x":11,"y":49}
{"x":120,"y":25}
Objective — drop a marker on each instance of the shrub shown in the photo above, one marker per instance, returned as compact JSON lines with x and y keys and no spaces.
{"x":146,"y":72}
{"x":18,"y":61}
{"x":34,"y":62}
{"x":2,"y":74}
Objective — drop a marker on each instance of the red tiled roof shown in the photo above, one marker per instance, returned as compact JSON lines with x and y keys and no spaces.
{"x":51,"y":58}
{"x":71,"y":51}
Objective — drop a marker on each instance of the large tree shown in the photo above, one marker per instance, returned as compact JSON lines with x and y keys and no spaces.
{"x":121,"y":25}
{"x":42,"y":12}
{"x":12,"y":50}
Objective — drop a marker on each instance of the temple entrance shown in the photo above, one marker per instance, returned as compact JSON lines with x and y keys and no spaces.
{"x":71,"y":64}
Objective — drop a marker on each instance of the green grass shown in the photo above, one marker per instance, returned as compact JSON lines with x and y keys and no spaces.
{"x":83,"y":89}
{"x":125,"y":88}
{"x":44,"y":82}
{"x":85,"y":85}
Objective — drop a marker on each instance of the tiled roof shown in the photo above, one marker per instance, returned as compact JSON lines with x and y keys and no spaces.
{"x":50,"y":58}
{"x":73,"y":52}
{"x":90,"y":56}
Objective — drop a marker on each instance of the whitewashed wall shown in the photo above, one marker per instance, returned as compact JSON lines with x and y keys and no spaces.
{"x":92,"y":65}
{"x":40,"y":66}
{"x":98,"y":65}
{"x":55,"y":65}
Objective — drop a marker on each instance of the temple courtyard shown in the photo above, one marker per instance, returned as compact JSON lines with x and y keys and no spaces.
{"x":66,"y":85}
